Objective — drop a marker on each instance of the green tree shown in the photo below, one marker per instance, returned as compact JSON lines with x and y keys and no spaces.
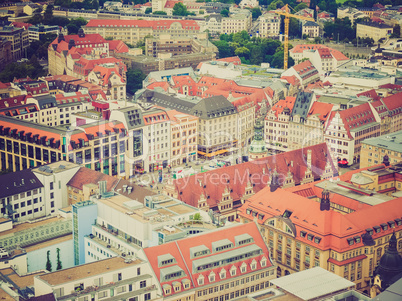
{"x":224,"y":49}
{"x":59,"y":265}
{"x":197,"y":217}
{"x":48,"y":263}
{"x":256,"y":57}
{"x":225,"y":12}
{"x":301,"y":6}
{"x":242,"y":52}
{"x":109,"y":38}
{"x":48,"y":15}
{"x":134,"y":80}
{"x":148,"y":10}
{"x":179,"y":9}
{"x":159,"y":12}
{"x":256,"y":12}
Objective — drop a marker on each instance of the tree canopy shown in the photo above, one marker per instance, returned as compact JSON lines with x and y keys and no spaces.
{"x":251,"y":50}
{"x":179,"y":9}
{"x":134,"y":80}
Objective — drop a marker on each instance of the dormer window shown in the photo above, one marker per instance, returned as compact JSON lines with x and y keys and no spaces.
{"x":384,"y":226}
{"x":166,"y":259}
{"x":303,"y":234}
{"x":243,"y":268}
{"x":200,"y":280}
{"x":263,"y":262}
{"x":377,"y":229}
{"x":222,"y":274}
{"x":233,"y":271}
{"x":253,"y":265}
{"x":350,"y":241}
{"x":211,"y":277}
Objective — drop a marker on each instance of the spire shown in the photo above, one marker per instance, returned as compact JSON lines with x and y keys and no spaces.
{"x":325,"y":203}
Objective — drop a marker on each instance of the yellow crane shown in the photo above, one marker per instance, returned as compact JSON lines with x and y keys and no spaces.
{"x":287,"y":15}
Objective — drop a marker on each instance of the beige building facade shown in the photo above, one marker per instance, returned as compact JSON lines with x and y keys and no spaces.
{"x":373,"y":30}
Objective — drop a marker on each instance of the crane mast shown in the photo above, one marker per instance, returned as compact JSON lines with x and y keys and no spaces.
{"x":287,"y":15}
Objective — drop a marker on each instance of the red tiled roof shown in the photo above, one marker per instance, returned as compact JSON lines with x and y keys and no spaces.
{"x":21,"y":25}
{"x":181,"y":251}
{"x":13,"y":101}
{"x":118,"y":46}
{"x":392,"y":87}
{"x":324,"y":53}
{"x":233,"y":59}
{"x":236,"y":178}
{"x":171,"y":4}
{"x":164,"y":85}
{"x":321,"y":109}
{"x":288,"y":102}
{"x":332,"y":227}
{"x":394,"y":103}
{"x":105,"y":74}
{"x":347,"y":261}
{"x":293,"y":80}
{"x":355,"y":117}
{"x":89,"y":176}
{"x":370,"y":93}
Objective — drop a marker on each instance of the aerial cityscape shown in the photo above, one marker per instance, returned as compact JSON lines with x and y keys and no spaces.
{"x":201,"y":150}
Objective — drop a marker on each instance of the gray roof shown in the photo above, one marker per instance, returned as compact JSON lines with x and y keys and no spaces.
{"x":302,"y":104}
{"x":133,"y":116}
{"x":350,"y":191}
{"x":312,"y":283}
{"x":310,"y":23}
{"x":392,"y":293}
{"x":18,"y":182}
{"x":391,"y":142}
{"x":213,"y":107}
{"x":167,"y":101}
{"x":45,"y":101}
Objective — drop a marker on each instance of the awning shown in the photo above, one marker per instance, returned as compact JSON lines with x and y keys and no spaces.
{"x":201,"y":153}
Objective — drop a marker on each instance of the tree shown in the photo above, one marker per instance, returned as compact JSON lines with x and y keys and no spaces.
{"x":256,"y":57}
{"x":225,"y":12}
{"x":224,"y":49}
{"x":397,"y":31}
{"x":48,"y":15}
{"x":134,"y":80}
{"x":256,"y":12}
{"x":59,"y":265}
{"x":197,"y":217}
{"x":242,"y":52}
{"x":301,"y":6}
{"x":159,"y":12}
{"x":48,"y":263}
{"x":148,"y":10}
{"x":179,"y":9}
{"x":109,"y":38}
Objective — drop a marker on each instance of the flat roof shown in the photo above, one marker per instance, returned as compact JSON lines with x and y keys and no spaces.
{"x":20,"y":281}
{"x":48,"y":243}
{"x":348,"y":190}
{"x":87,"y":270}
{"x":312,"y":283}
{"x":392,"y":142}
{"x":55,"y":167}
{"x":30,"y":225}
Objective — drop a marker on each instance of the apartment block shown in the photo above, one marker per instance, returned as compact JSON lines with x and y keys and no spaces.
{"x":302,"y":230}
{"x":345,"y":130}
{"x":373,"y":30}
{"x":19,"y":40}
{"x":269,"y":25}
{"x":35,"y":32}
{"x":100,"y":146}
{"x":183,"y":129}
{"x":110,"y":278}
{"x":224,"y":190}
{"x":374,"y":150}
{"x":227,"y":263}
{"x":242,"y":20}
{"x":311,"y":29}
{"x":133,"y":31}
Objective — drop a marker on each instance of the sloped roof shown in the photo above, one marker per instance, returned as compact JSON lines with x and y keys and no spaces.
{"x":89,"y":176}
{"x":18,"y":182}
{"x":288,"y":102}
{"x":355,"y":117}
{"x":213,"y":107}
{"x":321,"y":109}
{"x":370,"y":94}
{"x":180,"y":250}
{"x":235,"y":178}
{"x":105,"y":74}
{"x":394,"y":103}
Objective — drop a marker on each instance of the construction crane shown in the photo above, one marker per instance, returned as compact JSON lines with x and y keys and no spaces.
{"x":286,"y":41}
